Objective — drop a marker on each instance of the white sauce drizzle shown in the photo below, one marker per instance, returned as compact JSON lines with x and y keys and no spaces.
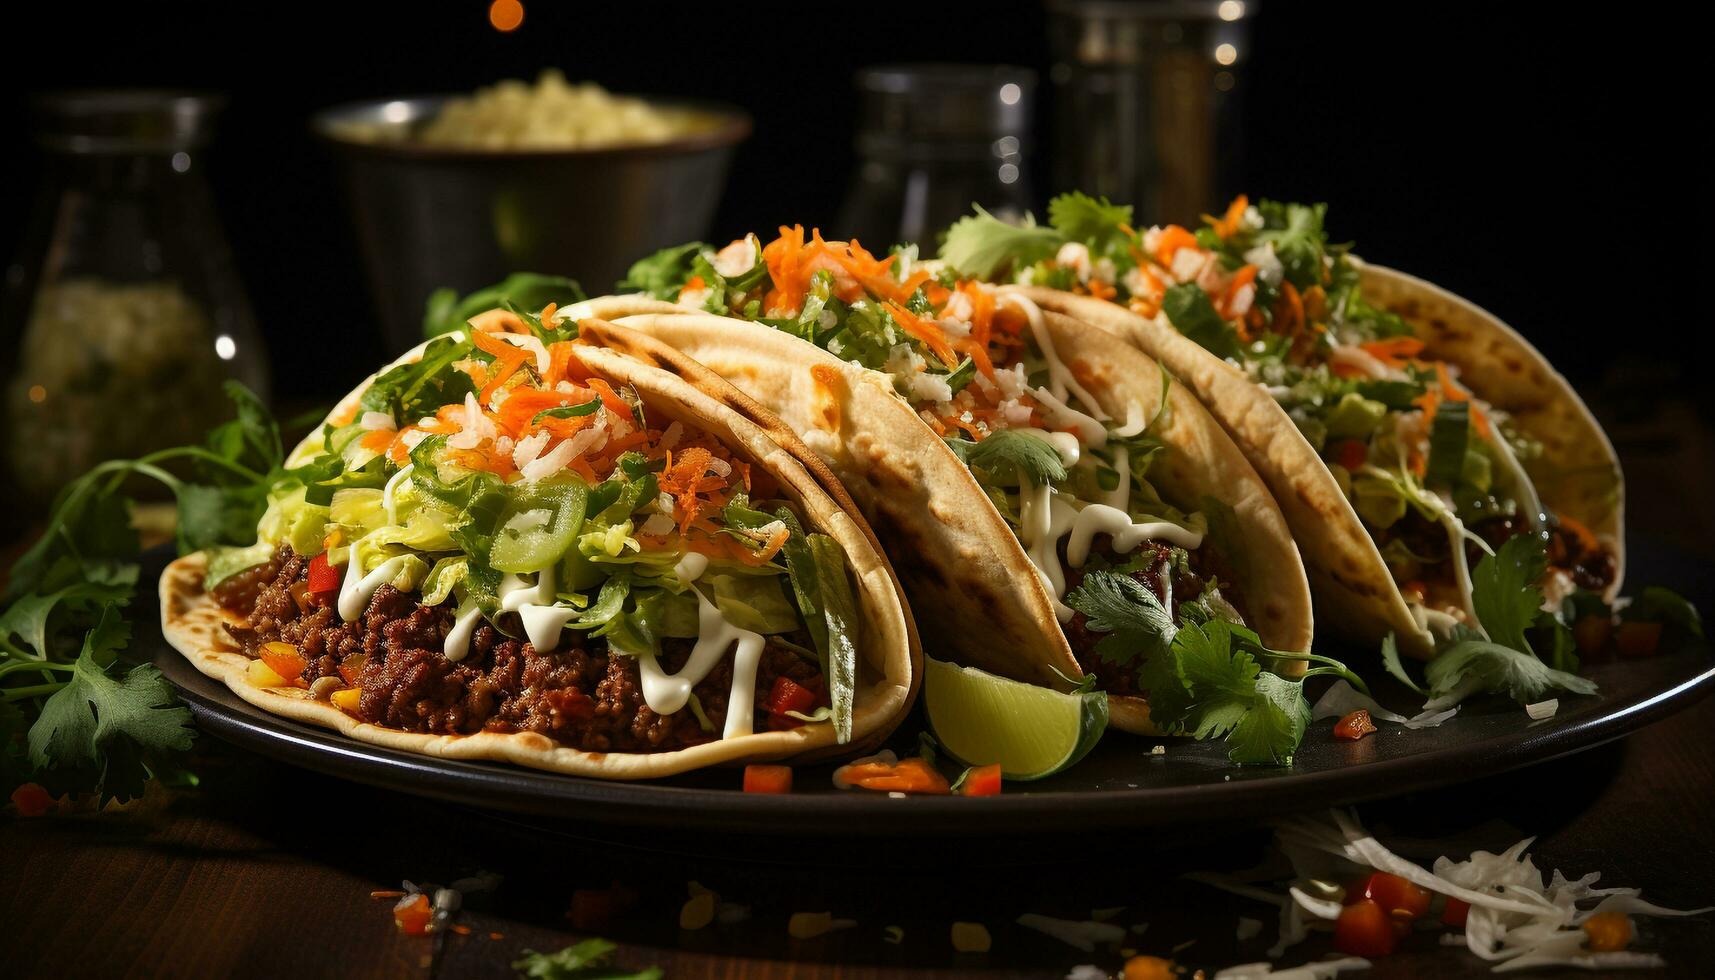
{"x":357,"y":589}
{"x":1046,"y":516}
{"x":1060,"y":379}
{"x":535,"y":604}
{"x":669,"y":693}
{"x":387,"y":502}
{"x":1091,"y":432}
{"x":457,"y":645}
{"x":1135,"y":423}
{"x":1120,"y":497}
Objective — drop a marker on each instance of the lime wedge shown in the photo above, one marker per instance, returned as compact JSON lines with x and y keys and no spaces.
{"x":1033,"y":732}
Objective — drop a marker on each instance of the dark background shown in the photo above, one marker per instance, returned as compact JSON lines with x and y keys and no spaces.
{"x":1531,"y":158}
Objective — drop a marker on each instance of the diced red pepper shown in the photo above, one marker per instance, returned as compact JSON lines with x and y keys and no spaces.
{"x":322,"y":576}
{"x":412,"y":914}
{"x":1455,"y":912}
{"x":591,"y":911}
{"x":1354,"y":726}
{"x":1399,"y":897}
{"x":1364,"y":929}
{"x":768,"y":779}
{"x":981,"y":781}
{"x":33,"y":801}
{"x":1637,"y":639}
{"x":283,"y":659}
{"x":1351,"y":453}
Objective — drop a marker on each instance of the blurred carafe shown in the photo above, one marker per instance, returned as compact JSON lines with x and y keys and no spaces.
{"x":123,"y":315}
{"x":932,"y":140}
{"x":1145,"y":101}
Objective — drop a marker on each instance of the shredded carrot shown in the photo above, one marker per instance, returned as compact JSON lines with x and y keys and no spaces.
{"x":1173,"y":238}
{"x":1228,"y":225}
{"x":927,"y":331}
{"x":1101,"y":290}
{"x":1394,"y":351}
{"x":560,"y":356}
{"x":377,"y":440}
{"x":784,"y":257}
{"x":1288,"y":310}
{"x":1242,"y":278}
{"x":694,"y":284}
{"x":386,"y":893}
{"x":460,"y":929}
{"x":610,"y":398}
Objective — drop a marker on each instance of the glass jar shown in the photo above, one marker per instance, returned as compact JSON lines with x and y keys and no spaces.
{"x":933,"y":140}
{"x":1146,"y":101}
{"x":123,"y":315}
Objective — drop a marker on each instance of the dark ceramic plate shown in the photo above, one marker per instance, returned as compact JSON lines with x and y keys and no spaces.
{"x":1120,"y":785}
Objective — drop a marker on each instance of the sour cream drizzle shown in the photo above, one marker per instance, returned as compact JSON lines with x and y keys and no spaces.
{"x":1046,"y":516}
{"x":357,"y":589}
{"x":457,"y":645}
{"x":543,"y":618}
{"x":1060,"y":379}
{"x":669,"y":693}
{"x":387,"y":501}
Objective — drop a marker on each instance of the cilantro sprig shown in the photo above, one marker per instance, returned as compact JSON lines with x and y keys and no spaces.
{"x":1206,"y":677}
{"x":93,"y":718}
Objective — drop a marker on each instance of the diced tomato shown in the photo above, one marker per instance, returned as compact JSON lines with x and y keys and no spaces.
{"x":33,"y":801}
{"x":591,"y":911}
{"x":322,"y":576}
{"x":1397,"y":896}
{"x":1351,"y":453}
{"x":1591,"y":633}
{"x":981,"y":781}
{"x":1364,"y":929}
{"x":283,"y":659}
{"x":412,"y":914}
{"x":789,"y":695}
{"x":1455,"y":912}
{"x":1607,"y":932}
{"x":1354,"y":726}
{"x":1637,"y":639}
{"x":768,"y":779}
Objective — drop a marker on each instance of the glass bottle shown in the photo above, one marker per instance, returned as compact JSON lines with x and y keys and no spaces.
{"x":932,"y":140}
{"x":123,"y":314}
{"x":1146,"y":101}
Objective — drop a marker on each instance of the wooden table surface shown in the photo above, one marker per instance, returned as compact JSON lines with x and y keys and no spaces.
{"x":266,"y":870}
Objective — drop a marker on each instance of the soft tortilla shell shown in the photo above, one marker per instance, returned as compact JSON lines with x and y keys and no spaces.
{"x":953,"y":550}
{"x":1578,"y":473}
{"x":1355,"y":592}
{"x":193,"y":623}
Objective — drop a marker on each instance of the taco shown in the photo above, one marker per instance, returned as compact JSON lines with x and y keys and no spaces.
{"x":1053,"y":502}
{"x":515,"y":544}
{"x":1404,"y":431}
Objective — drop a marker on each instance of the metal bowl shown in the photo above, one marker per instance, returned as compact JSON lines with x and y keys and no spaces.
{"x":433,"y":216}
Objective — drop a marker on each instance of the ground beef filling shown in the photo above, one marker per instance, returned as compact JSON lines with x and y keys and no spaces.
{"x":577,"y":695}
{"x":1590,"y":564}
{"x":1188,"y":584}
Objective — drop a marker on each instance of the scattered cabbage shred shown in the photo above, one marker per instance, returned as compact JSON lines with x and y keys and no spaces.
{"x":1518,"y":920}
